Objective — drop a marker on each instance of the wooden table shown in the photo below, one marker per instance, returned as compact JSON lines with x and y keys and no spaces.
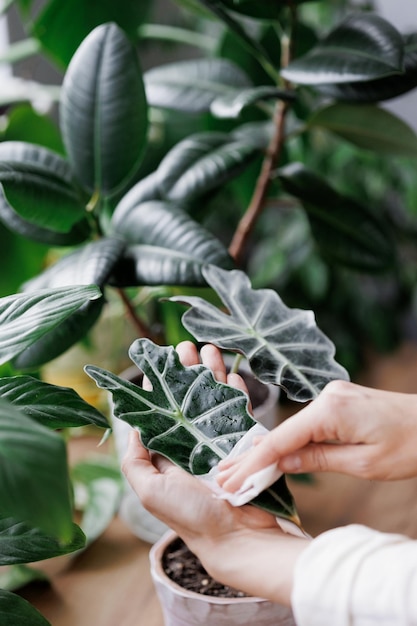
{"x":110,"y":584}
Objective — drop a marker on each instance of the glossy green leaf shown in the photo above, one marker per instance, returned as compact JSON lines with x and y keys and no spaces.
{"x":104,"y":110}
{"x":62,"y":26}
{"x":21,"y":543}
{"x":36,"y":186}
{"x":368,"y":127}
{"x":233,"y":104}
{"x":381,"y":88}
{"x":170,"y":247}
{"x":189,"y":417}
{"x":201,"y":163}
{"x":50,"y":405}
{"x":192,"y":86}
{"x":346,"y":231}
{"x":25,"y":317}
{"x":363,"y":47}
{"x":34,"y":482}
{"x":283,"y":346}
{"x":16,"y":610}
{"x":146,"y":189}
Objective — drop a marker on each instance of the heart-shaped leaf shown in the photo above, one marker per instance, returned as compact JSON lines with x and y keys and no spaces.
{"x":346,"y":231}
{"x":380,"y":89}
{"x":368,"y":127}
{"x":16,"y":610}
{"x":20,"y":543}
{"x":25,"y":317}
{"x":189,"y":417}
{"x":283,"y":346}
{"x":192,"y":86}
{"x":39,"y":400}
{"x":201,"y":163}
{"x":104,"y":110}
{"x":363,"y":47}
{"x":34,"y":481}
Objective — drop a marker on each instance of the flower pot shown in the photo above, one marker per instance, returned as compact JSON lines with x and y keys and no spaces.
{"x":181,"y":607}
{"x":134,"y":515}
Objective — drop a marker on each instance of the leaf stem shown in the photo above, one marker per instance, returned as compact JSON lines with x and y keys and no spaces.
{"x":236,"y":364}
{"x":177,"y":35}
{"x":143,"y":329}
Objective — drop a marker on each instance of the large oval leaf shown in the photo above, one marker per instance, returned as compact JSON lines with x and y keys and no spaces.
{"x":381,"y":88}
{"x":363,"y":47}
{"x":21,"y":543}
{"x":201,"y":163}
{"x":233,"y":104}
{"x":104,"y":110}
{"x":25,"y":317}
{"x":145,"y":189}
{"x":283,"y":346}
{"x":193,"y":85}
{"x":34,"y":481}
{"x":346,"y":231}
{"x":172,"y":247}
{"x":188,"y":416}
{"x":39,"y":401}
{"x":16,"y":610}
{"x":368,"y":127}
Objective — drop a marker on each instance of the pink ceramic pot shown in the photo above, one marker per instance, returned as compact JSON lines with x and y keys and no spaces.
{"x":187,"y":608}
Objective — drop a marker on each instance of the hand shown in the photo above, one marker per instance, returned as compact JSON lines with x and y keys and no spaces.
{"x":350,"y":429}
{"x":238,"y":546}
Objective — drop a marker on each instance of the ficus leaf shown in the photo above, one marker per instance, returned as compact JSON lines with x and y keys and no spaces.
{"x":16,"y":610}
{"x":283,"y":346}
{"x":363,"y":47}
{"x":232,"y":104}
{"x":189,"y":417}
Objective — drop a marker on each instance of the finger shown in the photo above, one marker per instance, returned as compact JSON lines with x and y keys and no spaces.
{"x":137,"y":459}
{"x":188,"y":353}
{"x":212,"y":358}
{"x":353,"y":459}
{"x":146,"y":384}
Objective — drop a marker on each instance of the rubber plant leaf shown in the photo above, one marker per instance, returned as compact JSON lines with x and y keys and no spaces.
{"x":367,"y":126}
{"x":363,"y":47}
{"x":168,"y":247}
{"x":104,"y":111}
{"x":60,"y":34}
{"x":25,"y":317}
{"x":233,"y":104}
{"x":16,"y":610}
{"x":380,"y":89}
{"x":39,"y":400}
{"x":346,"y":232}
{"x":201,"y":163}
{"x":21,"y":543}
{"x":283,"y":346}
{"x":33,"y":463}
{"x":34,"y":181}
{"x":192,"y":86}
{"x":189,"y":417}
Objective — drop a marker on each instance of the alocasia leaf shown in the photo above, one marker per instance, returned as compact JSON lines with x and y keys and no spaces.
{"x":283,"y":346}
{"x":188,"y":416}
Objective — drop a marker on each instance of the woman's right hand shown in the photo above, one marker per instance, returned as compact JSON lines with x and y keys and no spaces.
{"x":349,"y":429}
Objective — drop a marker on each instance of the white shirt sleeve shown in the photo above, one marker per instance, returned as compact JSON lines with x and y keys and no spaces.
{"x":355,"y":576}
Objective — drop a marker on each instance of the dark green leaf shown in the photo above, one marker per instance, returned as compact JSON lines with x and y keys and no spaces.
{"x":368,"y":127}
{"x":62,"y":26}
{"x":26,"y":317}
{"x":34,"y":482}
{"x":201,"y":163}
{"x":267,"y":9}
{"x":346,"y":231}
{"x":104,"y":110}
{"x":14,"y":610}
{"x":381,"y":88}
{"x":233,"y":104}
{"x":189,"y":417}
{"x":21,"y":543}
{"x":192,"y":86}
{"x":144,"y":190}
{"x":23,"y":123}
{"x":283,"y":346}
{"x":363,"y":47}
{"x":50,"y":405}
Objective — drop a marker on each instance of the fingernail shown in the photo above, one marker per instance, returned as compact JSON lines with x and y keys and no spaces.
{"x":290,"y":463}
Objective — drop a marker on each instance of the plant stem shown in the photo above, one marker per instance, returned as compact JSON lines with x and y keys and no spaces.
{"x":256,"y":205}
{"x":142,"y":328}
